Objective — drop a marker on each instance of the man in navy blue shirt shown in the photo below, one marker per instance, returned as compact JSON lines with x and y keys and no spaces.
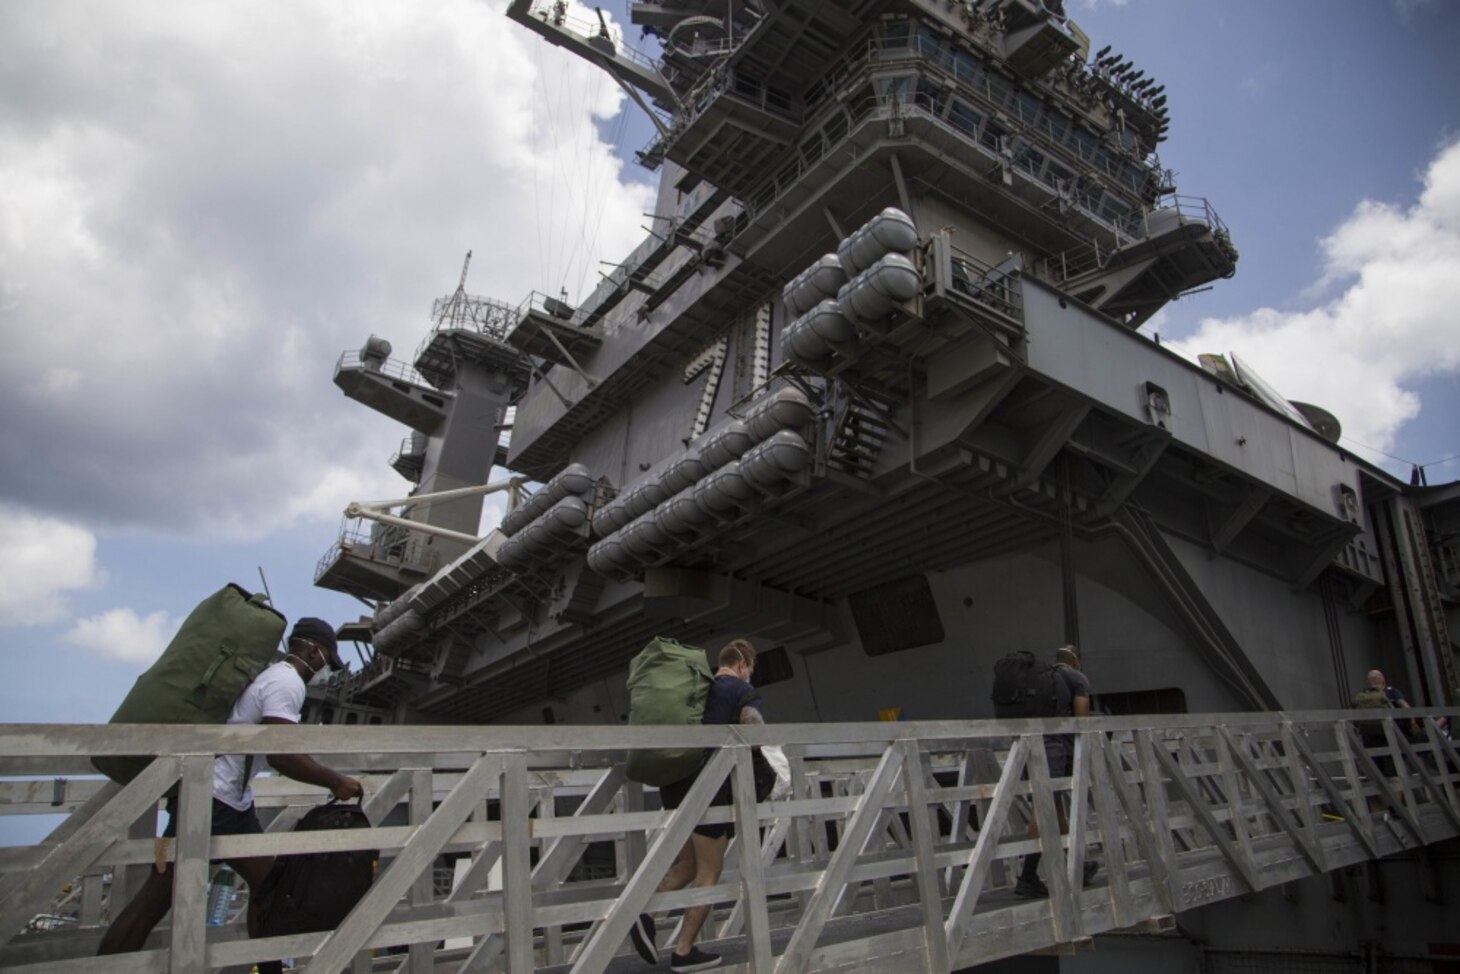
{"x":731,"y":700}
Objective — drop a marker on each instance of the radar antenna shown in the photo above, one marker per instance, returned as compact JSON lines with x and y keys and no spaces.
{"x":456,"y":311}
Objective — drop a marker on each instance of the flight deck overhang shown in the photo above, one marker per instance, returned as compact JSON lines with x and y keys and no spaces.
{"x":1143,"y":424}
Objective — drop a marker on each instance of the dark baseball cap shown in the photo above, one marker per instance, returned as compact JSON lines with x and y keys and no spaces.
{"x":322,"y":633}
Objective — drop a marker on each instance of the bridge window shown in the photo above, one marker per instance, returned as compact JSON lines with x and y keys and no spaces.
{"x":897,"y":35}
{"x":894,"y":89}
{"x":1116,"y":210}
{"x":965,"y":117}
{"x":1000,"y":91}
{"x":1028,"y":107}
{"x":1031,"y":160}
{"x":1056,"y":125}
{"x":1135,"y":703}
{"x":967,"y":69}
{"x":930,"y":95}
{"x":896,"y":616}
{"x":836,"y":128}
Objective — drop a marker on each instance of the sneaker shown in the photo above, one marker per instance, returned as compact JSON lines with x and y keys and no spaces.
{"x":695,"y":960}
{"x":1031,"y":888}
{"x":1091,"y":868}
{"x":642,"y":934}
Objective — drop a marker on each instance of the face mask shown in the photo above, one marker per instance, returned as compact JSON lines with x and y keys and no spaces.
{"x":317,"y":677}
{"x":321,"y":676}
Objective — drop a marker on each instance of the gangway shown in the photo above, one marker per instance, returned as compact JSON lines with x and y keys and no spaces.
{"x":896,"y":850}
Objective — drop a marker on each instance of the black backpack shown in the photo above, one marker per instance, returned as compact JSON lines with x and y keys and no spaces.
{"x":1025,"y":686}
{"x":314,"y":891}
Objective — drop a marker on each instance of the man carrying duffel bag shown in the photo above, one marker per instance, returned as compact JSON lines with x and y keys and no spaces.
{"x":275,"y":696}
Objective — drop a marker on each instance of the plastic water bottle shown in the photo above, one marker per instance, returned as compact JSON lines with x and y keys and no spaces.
{"x":220,"y":896}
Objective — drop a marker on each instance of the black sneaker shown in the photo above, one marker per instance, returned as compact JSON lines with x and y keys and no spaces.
{"x":1091,"y":868}
{"x":695,"y":960}
{"x":1031,"y":888}
{"x":642,"y":934}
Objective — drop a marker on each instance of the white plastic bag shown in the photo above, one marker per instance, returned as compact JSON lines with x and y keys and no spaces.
{"x":776,"y":758}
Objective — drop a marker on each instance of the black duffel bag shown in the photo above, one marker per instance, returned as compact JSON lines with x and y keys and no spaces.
{"x":313,"y":891}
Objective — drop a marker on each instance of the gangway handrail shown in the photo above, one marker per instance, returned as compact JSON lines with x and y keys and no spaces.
{"x":1185,"y":810}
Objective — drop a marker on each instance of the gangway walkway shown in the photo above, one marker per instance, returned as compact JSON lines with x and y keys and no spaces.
{"x":896,"y":851}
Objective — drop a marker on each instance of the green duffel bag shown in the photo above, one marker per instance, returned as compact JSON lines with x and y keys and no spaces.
{"x":668,"y":685}
{"x":1371,"y":699}
{"x":224,"y":643}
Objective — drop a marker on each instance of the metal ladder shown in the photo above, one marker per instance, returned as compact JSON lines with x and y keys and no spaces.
{"x":895,"y":851}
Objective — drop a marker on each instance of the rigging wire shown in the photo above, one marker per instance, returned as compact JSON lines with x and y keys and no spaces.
{"x":540,"y":88}
{"x":616,"y":136}
{"x":569,"y":221}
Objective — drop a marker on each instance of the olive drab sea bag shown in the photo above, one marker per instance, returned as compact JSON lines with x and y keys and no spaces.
{"x":668,"y":685}
{"x":1371,"y":699}
{"x":224,"y":643}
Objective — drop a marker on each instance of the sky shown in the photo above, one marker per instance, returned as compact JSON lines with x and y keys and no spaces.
{"x":202,"y":205}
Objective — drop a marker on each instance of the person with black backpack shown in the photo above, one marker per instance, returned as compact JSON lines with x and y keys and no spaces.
{"x":276,"y":696}
{"x":1027,"y":687}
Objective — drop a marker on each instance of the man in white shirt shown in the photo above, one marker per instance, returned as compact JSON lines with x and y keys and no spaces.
{"x":276,"y":696}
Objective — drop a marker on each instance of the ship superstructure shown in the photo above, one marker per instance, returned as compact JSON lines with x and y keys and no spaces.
{"x":872,"y":392}
{"x":877,"y":363}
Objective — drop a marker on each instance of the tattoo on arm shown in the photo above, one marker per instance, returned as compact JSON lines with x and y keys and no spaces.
{"x":751,"y":715}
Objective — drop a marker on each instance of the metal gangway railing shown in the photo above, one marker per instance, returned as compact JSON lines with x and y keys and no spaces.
{"x":896,"y":850}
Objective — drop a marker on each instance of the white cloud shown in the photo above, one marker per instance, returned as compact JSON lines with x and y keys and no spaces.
{"x":41,"y":558}
{"x":121,"y":634}
{"x":1391,"y":324}
{"x":204,"y":204}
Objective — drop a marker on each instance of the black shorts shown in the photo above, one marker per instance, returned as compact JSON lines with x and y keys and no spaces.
{"x":1058,"y":756}
{"x":227,"y":820}
{"x":672,"y":796}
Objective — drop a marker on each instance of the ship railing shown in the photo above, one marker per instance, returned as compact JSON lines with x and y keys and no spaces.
{"x":557,"y":308}
{"x":412,"y":446}
{"x":1171,"y":210}
{"x":471,"y":312}
{"x":562,"y":15}
{"x":381,"y":667}
{"x":701,"y":48}
{"x":1187,"y":209}
{"x":391,"y":368}
{"x":987,"y":284}
{"x":352,"y":537}
{"x":1077,"y":261}
{"x":896,"y":844}
{"x":488,"y":317}
{"x":383,"y":544}
{"x":838,"y":129}
{"x":718,"y":81}
{"x":967,"y":76}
